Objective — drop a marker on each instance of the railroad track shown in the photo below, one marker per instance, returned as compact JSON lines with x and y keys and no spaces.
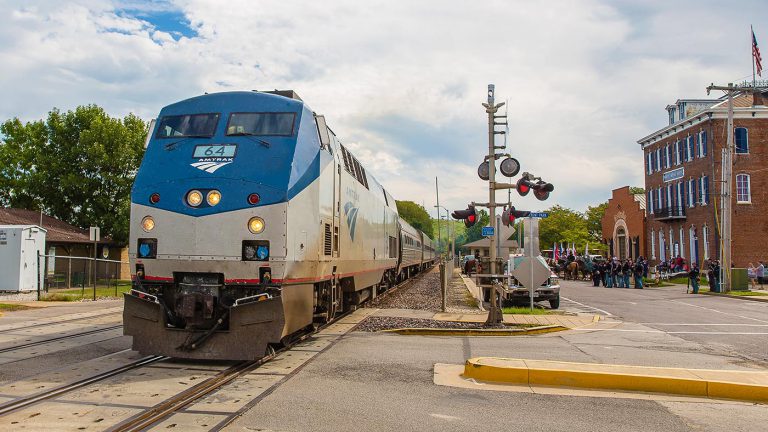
{"x":175,"y":403}
{"x":26,"y":401}
{"x":69,"y":336}
{"x":165,"y":409}
{"x":53,"y":323}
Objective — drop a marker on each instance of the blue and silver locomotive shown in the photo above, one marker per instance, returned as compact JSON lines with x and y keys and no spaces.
{"x":250,"y":223}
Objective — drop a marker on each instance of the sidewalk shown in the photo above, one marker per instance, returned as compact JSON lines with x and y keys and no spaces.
{"x":567,"y":321}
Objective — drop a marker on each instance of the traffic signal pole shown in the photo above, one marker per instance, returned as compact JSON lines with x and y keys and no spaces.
{"x":494,"y":314}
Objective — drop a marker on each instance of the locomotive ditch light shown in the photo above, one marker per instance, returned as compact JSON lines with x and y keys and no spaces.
{"x":213,"y":197}
{"x":509,"y":167}
{"x":483,"y":171}
{"x":194,"y":198}
{"x":256,"y":225}
{"x":147,"y":224}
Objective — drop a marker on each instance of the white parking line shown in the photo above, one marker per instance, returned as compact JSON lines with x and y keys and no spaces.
{"x":720,"y":312}
{"x":702,"y":324}
{"x":604,"y":312}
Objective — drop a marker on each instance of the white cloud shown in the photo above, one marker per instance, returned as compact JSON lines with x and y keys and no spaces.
{"x":583,"y":79}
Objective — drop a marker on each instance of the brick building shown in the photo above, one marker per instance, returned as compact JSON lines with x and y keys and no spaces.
{"x":624,"y":225}
{"x":682,"y":180}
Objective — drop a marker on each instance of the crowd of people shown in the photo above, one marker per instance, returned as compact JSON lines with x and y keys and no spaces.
{"x":617,"y":273}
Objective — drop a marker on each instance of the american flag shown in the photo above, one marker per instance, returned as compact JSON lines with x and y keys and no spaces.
{"x":756,"y":54}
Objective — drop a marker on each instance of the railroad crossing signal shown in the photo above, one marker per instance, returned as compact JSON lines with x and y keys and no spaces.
{"x":469,"y":215}
{"x":540,"y":188}
{"x":510,"y":214}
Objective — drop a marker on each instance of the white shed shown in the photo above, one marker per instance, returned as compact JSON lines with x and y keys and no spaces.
{"x":19,"y":249}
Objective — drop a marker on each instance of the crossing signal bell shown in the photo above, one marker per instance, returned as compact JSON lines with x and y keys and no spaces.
{"x":510,"y":214}
{"x":469,"y":216}
{"x":541,"y":189}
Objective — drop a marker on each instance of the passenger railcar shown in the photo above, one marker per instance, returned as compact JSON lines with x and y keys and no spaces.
{"x":250,"y":221}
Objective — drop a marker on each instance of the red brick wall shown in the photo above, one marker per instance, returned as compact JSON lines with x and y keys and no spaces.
{"x":620,"y":202}
{"x":750,"y":221}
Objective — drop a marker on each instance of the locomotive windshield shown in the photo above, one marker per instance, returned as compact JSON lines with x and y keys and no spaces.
{"x":261,"y":124}
{"x":190,"y":125}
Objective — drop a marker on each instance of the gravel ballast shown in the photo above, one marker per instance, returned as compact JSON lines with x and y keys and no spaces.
{"x":376,"y":323}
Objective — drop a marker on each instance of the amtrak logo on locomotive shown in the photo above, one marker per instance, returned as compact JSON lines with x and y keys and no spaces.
{"x":351,"y":211}
{"x":212,"y":157}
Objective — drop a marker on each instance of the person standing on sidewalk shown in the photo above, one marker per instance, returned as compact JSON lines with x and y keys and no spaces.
{"x":693,"y":276}
{"x":626,"y":270}
{"x":760,"y":273}
{"x":752,"y":275}
{"x":639,"y":274}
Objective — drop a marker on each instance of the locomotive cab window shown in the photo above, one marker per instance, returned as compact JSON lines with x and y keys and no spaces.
{"x":261,"y":124}
{"x":190,"y":125}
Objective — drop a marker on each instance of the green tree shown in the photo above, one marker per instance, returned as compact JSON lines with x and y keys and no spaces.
{"x":77,"y":166}
{"x":416,"y":215}
{"x":594,"y":217}
{"x":563,"y":225}
{"x":634,"y":190}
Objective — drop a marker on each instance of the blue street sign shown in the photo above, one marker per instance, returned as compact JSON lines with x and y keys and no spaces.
{"x":487,"y":231}
{"x":538,"y":215}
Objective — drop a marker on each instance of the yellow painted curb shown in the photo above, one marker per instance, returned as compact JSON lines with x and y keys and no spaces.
{"x":596,"y":318}
{"x":690,"y":382}
{"x":475,"y":332}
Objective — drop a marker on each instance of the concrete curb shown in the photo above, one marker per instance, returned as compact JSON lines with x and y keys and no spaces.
{"x":476,"y":332}
{"x":750,"y":298}
{"x":739,"y":385}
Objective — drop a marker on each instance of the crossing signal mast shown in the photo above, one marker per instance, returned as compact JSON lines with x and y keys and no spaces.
{"x":509,"y":167}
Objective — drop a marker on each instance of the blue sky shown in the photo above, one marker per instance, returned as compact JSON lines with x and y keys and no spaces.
{"x":400,"y":82}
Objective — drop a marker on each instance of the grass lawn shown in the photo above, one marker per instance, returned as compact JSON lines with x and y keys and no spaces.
{"x":7,"y":307}
{"x":526,"y":311}
{"x":748,"y":293}
{"x":76,"y":294}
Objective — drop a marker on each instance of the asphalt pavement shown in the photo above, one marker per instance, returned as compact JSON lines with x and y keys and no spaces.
{"x":726,"y":326}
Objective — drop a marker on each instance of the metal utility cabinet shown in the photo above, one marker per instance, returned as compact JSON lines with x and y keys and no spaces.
{"x":19,"y":249}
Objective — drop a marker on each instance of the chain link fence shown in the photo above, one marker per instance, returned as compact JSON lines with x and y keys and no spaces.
{"x":68,"y":278}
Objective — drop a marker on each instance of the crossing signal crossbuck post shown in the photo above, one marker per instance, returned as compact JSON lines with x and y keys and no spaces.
{"x":469,"y":215}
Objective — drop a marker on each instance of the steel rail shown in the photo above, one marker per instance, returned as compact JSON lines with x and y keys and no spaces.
{"x":25,"y":401}
{"x":46,"y":341}
{"x":53,"y":323}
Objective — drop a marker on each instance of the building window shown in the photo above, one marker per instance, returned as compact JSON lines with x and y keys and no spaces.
{"x":682,"y":243}
{"x":743,"y":194}
{"x":742,"y":140}
{"x":692,"y":244}
{"x":662,"y":247}
{"x":653,"y":244}
{"x":702,"y":144}
{"x":658,"y":159}
{"x":689,"y":148}
{"x":705,"y":234}
{"x":650,"y":163}
{"x":669,"y":195}
{"x":704,"y":190}
{"x":650,"y":202}
{"x":678,"y":149}
{"x":667,"y":156}
{"x":691,"y":193}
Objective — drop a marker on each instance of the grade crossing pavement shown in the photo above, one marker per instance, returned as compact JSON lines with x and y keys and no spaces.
{"x":726,"y":325}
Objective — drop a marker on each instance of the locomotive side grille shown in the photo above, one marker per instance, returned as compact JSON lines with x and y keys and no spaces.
{"x":328,"y":247}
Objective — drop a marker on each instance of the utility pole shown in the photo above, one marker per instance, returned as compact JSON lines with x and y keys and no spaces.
{"x":437,"y":197}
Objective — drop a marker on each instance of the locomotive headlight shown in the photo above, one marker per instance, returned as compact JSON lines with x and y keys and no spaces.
{"x":147,"y":224}
{"x":256,"y":225}
{"x":194,"y":198}
{"x":213,"y":197}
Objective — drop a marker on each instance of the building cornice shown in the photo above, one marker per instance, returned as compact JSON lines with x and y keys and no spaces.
{"x":754,"y":112}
